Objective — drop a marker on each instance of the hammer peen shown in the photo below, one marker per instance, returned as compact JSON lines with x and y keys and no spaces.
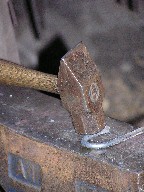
{"x":78,"y":83}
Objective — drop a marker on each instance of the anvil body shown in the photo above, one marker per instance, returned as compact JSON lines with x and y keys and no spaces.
{"x":40,"y":150}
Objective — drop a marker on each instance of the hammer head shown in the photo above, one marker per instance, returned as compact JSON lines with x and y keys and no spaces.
{"x":81,"y":90}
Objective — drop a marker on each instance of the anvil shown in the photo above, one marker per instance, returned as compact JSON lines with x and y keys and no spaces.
{"x":40,"y":141}
{"x":40,"y":150}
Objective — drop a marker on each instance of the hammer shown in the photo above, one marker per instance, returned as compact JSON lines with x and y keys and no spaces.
{"x":78,"y":83}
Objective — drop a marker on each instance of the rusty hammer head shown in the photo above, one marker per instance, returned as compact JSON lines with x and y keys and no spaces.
{"x":78,"y":83}
{"x":81,"y":90}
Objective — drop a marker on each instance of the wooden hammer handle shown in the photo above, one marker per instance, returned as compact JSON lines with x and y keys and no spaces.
{"x":14,"y":74}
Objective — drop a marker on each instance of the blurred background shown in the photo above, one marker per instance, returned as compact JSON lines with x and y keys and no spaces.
{"x":112,"y":30}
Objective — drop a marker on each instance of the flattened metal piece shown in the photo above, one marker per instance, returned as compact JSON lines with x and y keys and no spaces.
{"x":81,"y":90}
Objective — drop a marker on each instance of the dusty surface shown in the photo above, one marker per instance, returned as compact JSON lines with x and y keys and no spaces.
{"x":45,"y":120}
{"x":36,"y":127}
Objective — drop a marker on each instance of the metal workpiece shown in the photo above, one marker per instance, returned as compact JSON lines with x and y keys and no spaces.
{"x":86,"y":140}
{"x":40,"y":150}
{"x":81,"y":90}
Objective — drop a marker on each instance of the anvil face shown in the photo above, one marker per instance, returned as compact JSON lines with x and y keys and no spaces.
{"x":40,"y":150}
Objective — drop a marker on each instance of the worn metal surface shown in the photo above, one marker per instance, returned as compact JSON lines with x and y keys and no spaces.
{"x":78,"y":83}
{"x":37,"y":132}
{"x":81,"y":90}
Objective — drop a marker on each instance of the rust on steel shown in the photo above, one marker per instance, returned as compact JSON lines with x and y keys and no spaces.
{"x":81,"y":90}
{"x":40,"y":150}
{"x":78,"y":83}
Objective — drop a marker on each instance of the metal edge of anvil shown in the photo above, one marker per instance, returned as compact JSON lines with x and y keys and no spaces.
{"x":28,"y":113}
